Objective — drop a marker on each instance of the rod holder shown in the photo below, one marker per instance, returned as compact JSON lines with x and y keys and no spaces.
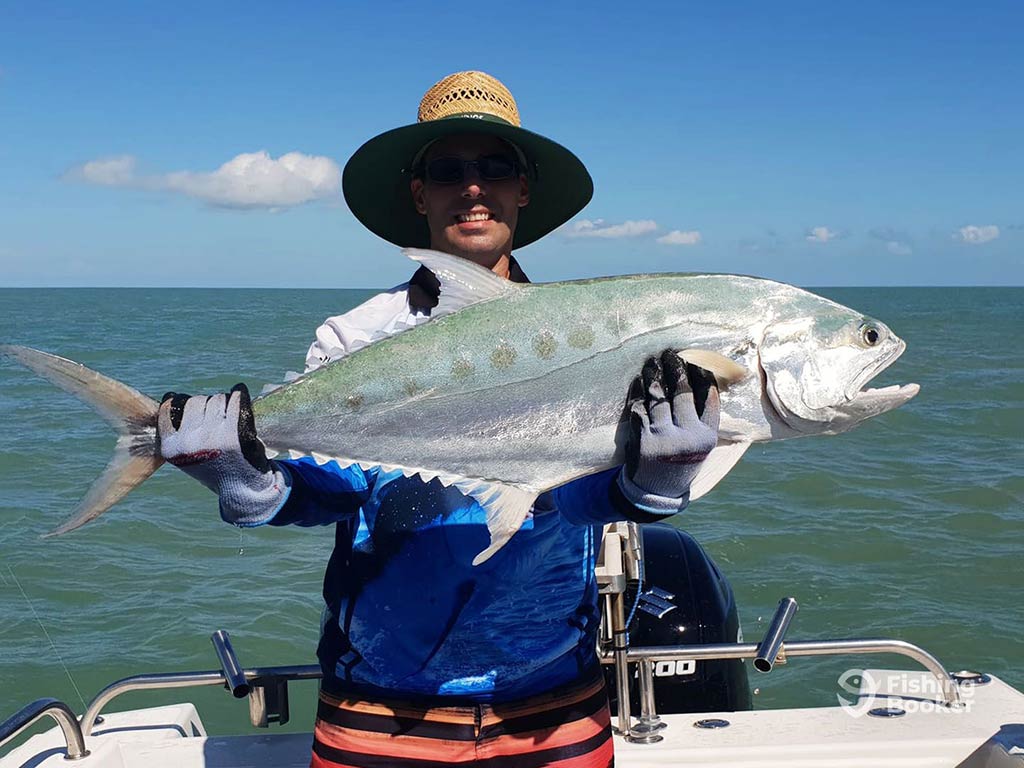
{"x":770,"y":646}
{"x":234,"y":675}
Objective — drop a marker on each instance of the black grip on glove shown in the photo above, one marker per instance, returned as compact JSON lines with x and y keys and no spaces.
{"x":252,"y":447}
{"x":178,"y":400}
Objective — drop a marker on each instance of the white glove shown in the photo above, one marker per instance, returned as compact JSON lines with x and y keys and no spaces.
{"x":213,"y":439}
{"x":674,"y":414}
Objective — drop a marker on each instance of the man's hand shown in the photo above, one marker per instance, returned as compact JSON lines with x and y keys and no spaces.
{"x":673,"y":416}
{"x":214,"y":440}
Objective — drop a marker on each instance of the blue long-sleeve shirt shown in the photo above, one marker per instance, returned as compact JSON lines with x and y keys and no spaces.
{"x":407,"y":614}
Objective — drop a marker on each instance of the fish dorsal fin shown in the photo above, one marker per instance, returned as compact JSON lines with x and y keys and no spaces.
{"x":718,"y":464}
{"x":462,"y":282}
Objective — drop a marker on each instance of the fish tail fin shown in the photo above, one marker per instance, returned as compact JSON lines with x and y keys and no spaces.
{"x":132,"y":414}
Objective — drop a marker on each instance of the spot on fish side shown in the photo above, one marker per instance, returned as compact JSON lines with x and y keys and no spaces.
{"x":545,"y":345}
{"x":462,"y":368}
{"x":410,"y":387}
{"x":503,"y":356}
{"x":617,"y":323}
{"x":354,"y":402}
{"x":581,"y":337}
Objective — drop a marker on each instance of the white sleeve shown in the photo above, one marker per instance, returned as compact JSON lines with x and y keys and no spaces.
{"x":343,"y":334}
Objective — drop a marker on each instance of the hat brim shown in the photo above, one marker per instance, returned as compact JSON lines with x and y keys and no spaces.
{"x":376,"y":180}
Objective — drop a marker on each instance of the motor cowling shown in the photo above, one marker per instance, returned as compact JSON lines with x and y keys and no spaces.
{"x":705,"y":612}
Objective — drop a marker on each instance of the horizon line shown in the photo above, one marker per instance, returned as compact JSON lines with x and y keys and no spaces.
{"x":378,"y":288}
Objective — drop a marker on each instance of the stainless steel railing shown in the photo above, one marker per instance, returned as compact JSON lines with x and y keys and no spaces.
{"x":240,"y":682}
{"x":37,"y":710}
{"x":947,"y":686}
{"x":620,"y":562}
{"x":773,"y":646}
{"x":266,"y":687}
{"x":188,"y":680}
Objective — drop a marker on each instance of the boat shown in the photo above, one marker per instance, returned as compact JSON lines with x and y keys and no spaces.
{"x":673,"y":703}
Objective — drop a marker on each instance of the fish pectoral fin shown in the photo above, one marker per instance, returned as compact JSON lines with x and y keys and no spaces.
{"x":507,"y":506}
{"x":462,"y":282}
{"x":718,"y":464}
{"x":727,"y":371}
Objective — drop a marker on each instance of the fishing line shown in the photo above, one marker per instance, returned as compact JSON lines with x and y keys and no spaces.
{"x":48,"y":638}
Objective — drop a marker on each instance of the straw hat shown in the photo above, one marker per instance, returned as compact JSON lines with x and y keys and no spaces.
{"x":376,"y":178}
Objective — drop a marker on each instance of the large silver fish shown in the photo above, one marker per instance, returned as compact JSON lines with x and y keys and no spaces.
{"x":512,"y":389}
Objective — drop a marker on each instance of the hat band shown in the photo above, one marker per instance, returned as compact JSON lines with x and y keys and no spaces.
{"x":478,"y":116}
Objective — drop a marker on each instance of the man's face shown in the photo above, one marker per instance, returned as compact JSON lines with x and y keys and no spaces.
{"x":473,"y":218}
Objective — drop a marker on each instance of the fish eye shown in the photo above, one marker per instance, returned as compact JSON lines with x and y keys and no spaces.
{"x":870,"y":335}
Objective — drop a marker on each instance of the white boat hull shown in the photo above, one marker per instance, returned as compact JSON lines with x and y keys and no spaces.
{"x":987,"y":732}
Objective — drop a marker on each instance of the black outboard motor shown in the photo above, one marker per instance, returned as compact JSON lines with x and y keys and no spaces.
{"x":705,"y":612}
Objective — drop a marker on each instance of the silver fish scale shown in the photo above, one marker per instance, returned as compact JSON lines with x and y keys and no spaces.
{"x":528,"y":389}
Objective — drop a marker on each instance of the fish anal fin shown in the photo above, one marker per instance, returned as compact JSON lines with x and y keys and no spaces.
{"x":507,"y":507}
{"x":727,"y":371}
{"x":718,"y":464}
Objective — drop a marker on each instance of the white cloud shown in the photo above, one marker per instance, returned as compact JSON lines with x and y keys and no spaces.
{"x":679,"y":237}
{"x":109,"y":171}
{"x":821,"y":235}
{"x":976,"y":235}
{"x":248,"y":180}
{"x":896,"y":248}
{"x":598,"y":228}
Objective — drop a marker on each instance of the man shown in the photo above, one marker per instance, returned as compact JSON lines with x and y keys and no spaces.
{"x":428,"y":659}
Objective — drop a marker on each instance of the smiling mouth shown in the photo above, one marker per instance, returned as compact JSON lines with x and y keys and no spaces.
{"x":463,"y":218}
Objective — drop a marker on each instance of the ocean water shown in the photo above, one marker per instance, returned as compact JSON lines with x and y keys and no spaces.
{"x":911,"y":526}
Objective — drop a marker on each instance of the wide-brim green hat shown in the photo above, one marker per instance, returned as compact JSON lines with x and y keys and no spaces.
{"x":376,"y":178}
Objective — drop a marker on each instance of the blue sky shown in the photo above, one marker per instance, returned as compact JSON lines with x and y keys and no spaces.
{"x":819,"y":143}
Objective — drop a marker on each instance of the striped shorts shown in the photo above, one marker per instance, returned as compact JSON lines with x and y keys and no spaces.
{"x":566,"y":728}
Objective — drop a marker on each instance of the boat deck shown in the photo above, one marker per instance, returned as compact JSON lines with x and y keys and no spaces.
{"x":987,"y":731}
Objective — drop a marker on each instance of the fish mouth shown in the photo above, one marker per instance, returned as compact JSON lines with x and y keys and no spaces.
{"x":872,"y":400}
{"x":885,"y":398}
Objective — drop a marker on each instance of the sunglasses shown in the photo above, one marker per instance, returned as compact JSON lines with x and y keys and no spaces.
{"x":452,"y":170}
